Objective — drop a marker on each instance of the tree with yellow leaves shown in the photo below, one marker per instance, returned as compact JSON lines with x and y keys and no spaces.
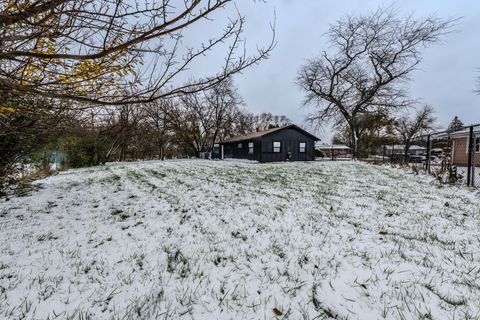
{"x":111,"y":52}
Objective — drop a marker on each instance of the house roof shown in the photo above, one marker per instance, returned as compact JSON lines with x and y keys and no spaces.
{"x":332,"y":146}
{"x":402,"y":147}
{"x":460,"y":134}
{"x":259,"y":134}
{"x":415,"y":147}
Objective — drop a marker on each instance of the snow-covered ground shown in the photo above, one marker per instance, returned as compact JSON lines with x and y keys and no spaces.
{"x":235,"y":240}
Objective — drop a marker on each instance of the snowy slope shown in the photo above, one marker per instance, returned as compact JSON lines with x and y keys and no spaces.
{"x":236,"y":240}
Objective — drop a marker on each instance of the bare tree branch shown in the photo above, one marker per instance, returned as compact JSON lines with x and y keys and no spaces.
{"x":101,"y":51}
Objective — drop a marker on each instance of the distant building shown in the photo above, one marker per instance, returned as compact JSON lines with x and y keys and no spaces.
{"x":399,"y":149}
{"x":335,"y":151}
{"x":415,"y":150}
{"x":288,"y":143}
{"x":460,"y":141}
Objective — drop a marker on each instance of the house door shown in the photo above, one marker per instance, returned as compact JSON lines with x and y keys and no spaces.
{"x":290,"y":153}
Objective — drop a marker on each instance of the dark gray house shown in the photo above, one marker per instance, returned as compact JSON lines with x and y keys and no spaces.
{"x":288,"y":143}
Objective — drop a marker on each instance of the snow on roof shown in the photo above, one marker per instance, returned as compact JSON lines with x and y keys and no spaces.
{"x":332,"y":146}
{"x":459,"y":134}
{"x":395,"y":146}
{"x":415,"y":147}
{"x":402,"y":146}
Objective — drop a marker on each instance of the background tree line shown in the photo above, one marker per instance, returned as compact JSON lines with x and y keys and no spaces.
{"x":102,"y":80}
{"x":177,"y":127}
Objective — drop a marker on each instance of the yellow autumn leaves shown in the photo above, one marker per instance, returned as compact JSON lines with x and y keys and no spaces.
{"x":100,"y":76}
{"x":4,"y":111}
{"x":15,"y":6}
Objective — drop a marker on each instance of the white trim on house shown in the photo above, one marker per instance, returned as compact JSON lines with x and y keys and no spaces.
{"x":459,"y":134}
{"x":251,"y":148}
{"x":302,"y":147}
{"x":475,"y":145}
{"x":277,"y":146}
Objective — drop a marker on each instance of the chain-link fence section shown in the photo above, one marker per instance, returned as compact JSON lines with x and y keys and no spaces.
{"x":452,"y":157}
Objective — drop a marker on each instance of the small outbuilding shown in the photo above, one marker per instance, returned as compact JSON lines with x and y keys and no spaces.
{"x":335,"y":151}
{"x":287,"y":143}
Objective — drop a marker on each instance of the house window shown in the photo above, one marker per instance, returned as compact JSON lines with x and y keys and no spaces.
{"x":477,"y":144}
{"x":277,"y":145}
{"x":239,"y":146}
{"x":250,"y":148}
{"x":303,"y":147}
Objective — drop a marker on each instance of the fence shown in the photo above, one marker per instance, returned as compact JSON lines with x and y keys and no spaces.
{"x":451,"y":156}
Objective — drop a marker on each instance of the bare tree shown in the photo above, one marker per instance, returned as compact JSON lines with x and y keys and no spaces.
{"x":156,"y":118}
{"x":119,"y":125}
{"x":222,"y":103}
{"x":245,"y":123}
{"x":267,"y":120}
{"x":371,"y":59}
{"x":113,"y":51}
{"x":375,"y":129}
{"x":409,"y":128}
{"x":32,"y":124}
{"x":200,"y":120}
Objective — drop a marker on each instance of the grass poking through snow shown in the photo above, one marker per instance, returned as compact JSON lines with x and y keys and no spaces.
{"x":232,"y":240}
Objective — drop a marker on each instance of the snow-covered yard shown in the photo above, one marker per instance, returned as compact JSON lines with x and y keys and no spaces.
{"x":232,"y":240}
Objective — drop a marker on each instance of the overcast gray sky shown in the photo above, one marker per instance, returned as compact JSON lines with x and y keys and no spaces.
{"x":446,"y":78}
